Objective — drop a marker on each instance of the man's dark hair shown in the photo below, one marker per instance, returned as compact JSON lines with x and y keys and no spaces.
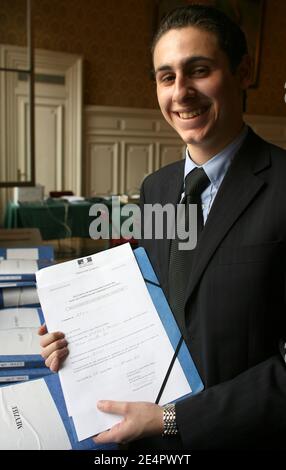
{"x":230,"y":37}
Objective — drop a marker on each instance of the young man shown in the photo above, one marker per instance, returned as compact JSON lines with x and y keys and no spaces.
{"x":233,"y":313}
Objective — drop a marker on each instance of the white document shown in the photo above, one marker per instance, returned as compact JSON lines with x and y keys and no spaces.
{"x":119,"y":349}
{"x":23,"y":253}
{"x":27,"y":423}
{"x":20,"y":296}
{"x":13,"y":266}
{"x":19,"y":341}
{"x":19,"y":318}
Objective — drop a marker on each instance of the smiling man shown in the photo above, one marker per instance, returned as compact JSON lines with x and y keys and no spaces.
{"x":228,"y":294}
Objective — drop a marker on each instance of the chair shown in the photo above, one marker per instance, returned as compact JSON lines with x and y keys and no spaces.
{"x":60,"y":193}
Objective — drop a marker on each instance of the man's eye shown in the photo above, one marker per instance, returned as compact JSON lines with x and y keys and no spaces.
{"x":167,"y":78}
{"x":200,"y":71}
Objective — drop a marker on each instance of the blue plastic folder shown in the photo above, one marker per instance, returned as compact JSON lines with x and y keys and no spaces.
{"x":23,"y":277}
{"x":168,"y":320}
{"x":42,"y":252}
{"x":22,"y":375}
{"x":23,"y":360}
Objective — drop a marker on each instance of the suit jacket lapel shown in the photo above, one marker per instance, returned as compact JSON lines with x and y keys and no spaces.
{"x":238,"y":189}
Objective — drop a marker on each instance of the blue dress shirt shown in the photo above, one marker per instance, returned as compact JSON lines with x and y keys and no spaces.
{"x":215,"y":169}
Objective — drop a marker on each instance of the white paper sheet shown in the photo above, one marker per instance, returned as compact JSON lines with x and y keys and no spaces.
{"x":27,"y":423}
{"x":19,"y":318}
{"x":118,"y":346}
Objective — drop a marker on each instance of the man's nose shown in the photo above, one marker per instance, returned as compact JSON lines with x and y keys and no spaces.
{"x":184,"y":89}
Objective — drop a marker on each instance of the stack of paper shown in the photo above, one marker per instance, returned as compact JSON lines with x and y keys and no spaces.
{"x":20,"y":313}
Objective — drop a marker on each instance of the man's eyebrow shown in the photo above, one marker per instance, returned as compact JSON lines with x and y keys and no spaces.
{"x":185,"y":63}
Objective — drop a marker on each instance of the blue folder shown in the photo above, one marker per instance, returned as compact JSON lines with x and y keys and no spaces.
{"x":23,"y":360}
{"x":168,"y":320}
{"x":22,"y":375}
{"x":43,"y":252}
{"x":23,"y":277}
{"x":4,"y":286}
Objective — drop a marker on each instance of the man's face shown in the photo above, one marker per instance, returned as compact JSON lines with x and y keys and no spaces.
{"x":198,"y":94}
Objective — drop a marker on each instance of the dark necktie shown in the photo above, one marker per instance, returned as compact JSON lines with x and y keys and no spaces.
{"x":181,"y":260}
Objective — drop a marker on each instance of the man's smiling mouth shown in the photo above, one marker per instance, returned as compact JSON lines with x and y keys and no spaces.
{"x":192,"y":114}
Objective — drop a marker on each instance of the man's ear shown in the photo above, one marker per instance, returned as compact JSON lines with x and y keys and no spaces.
{"x":244,"y":72}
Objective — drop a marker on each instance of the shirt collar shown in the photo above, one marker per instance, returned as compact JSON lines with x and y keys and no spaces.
{"x":218,"y":165}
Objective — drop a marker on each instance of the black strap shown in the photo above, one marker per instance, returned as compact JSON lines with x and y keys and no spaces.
{"x":173,"y":358}
{"x":169,"y":370}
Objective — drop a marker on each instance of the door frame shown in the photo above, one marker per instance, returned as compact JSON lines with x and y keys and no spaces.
{"x":54,"y":63}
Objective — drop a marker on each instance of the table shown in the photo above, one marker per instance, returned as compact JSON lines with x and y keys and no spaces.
{"x":56,"y":218}
{"x":20,"y":237}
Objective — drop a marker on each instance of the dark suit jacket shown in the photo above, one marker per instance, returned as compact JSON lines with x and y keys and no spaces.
{"x":235,"y":303}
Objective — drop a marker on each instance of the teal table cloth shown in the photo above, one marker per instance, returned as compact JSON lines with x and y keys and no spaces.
{"x":54,"y":218}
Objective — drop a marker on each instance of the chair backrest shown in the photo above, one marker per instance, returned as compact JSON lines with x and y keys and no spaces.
{"x":60,"y":193}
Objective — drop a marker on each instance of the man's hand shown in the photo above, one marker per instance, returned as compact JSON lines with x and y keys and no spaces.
{"x":140,"y":419}
{"x":54,"y":348}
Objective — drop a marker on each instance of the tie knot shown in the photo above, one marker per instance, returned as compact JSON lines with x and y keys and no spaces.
{"x":196,"y":182}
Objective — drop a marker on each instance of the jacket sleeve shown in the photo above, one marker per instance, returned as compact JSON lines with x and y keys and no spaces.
{"x":247,"y":412}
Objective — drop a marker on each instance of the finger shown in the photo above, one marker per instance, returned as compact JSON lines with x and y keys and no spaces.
{"x":115,"y":434}
{"x":56,"y":345}
{"x":42,"y":330}
{"x":55,"y":360}
{"x":113,"y":407}
{"x":50,"y":338}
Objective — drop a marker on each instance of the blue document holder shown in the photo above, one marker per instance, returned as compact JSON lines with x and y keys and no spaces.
{"x":43,"y":252}
{"x":22,"y":375}
{"x":24,"y":277}
{"x":20,"y":361}
{"x":168,"y":321}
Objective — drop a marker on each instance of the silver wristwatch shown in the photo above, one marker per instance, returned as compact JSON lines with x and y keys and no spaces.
{"x":169,"y":421}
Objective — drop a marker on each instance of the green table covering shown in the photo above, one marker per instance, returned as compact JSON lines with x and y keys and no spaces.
{"x":55,"y":218}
